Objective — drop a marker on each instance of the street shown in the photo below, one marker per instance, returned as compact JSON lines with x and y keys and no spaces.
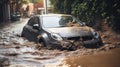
{"x":19,"y":52}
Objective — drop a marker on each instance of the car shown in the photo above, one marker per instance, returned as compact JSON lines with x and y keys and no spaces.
{"x":60,"y":30}
{"x":15,"y":16}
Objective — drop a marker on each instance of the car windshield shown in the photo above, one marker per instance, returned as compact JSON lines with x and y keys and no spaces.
{"x":59,"y":21}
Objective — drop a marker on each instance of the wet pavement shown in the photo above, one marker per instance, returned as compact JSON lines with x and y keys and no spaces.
{"x":22,"y":53}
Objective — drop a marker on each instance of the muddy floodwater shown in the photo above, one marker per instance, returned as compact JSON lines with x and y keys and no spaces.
{"x":28,"y":56}
{"x":101,"y":59}
{"x":16,"y":51}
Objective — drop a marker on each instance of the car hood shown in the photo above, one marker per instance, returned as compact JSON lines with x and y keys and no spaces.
{"x":70,"y":31}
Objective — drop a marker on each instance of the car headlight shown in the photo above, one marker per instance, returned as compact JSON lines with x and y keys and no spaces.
{"x":95,"y":34}
{"x":56,"y":37}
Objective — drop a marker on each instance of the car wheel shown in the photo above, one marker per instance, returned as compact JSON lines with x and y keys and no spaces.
{"x":40,"y":44}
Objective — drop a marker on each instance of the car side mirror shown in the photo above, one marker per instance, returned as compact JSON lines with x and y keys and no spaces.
{"x":36,"y":26}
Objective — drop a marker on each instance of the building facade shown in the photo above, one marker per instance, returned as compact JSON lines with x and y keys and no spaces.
{"x":5,"y":11}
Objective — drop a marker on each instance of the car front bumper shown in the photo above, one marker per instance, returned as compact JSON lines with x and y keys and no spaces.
{"x":68,"y":43}
{"x":93,"y":43}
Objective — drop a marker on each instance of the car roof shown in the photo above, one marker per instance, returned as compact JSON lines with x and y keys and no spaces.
{"x":54,"y":15}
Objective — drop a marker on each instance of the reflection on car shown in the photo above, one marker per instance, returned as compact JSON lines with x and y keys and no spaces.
{"x":61,"y":30}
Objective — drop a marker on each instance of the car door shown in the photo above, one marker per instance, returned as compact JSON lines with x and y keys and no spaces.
{"x":35,"y":31}
{"x":32,"y":32}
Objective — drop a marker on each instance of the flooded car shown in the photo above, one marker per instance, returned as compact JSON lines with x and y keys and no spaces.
{"x":60,"y":31}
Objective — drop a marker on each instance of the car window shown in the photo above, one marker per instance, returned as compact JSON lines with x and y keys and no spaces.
{"x":36,"y":20}
{"x":33,"y":20}
{"x":59,"y":21}
{"x":50,"y":21}
{"x":65,"y":19}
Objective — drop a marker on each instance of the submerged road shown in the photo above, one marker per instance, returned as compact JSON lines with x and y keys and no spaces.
{"x":22,"y":53}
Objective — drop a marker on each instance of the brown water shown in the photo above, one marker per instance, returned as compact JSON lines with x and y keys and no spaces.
{"x":102,"y":59}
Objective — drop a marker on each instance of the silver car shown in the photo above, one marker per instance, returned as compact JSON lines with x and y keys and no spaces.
{"x":61,"y":31}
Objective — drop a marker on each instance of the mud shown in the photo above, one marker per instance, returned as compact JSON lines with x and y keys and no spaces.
{"x":101,"y":59}
{"x":22,"y":53}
